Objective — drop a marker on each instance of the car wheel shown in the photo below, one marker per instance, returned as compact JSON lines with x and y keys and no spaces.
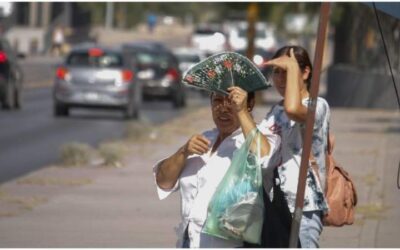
{"x":130,"y":112}
{"x":9,"y":96}
{"x":61,"y":110}
{"x":17,"y":98}
{"x":179,"y":101}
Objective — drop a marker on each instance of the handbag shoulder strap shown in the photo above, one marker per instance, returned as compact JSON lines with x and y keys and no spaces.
{"x":330,"y":146}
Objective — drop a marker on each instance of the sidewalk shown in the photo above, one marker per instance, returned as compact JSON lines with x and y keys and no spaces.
{"x":118,"y":207}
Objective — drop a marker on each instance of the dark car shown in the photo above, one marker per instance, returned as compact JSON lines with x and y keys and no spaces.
{"x":11,"y":77}
{"x":96,"y":77}
{"x":150,"y":44}
{"x":158,"y":72}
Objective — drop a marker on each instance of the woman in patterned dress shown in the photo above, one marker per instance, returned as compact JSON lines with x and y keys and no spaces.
{"x":292,"y":78}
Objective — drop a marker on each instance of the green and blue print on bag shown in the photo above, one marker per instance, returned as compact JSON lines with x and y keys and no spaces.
{"x":236,"y":210}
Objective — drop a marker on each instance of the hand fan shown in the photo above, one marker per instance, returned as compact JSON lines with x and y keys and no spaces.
{"x":219,"y":72}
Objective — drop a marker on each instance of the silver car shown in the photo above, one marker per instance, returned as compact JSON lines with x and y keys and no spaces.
{"x":96,"y":77}
{"x":188,"y":57}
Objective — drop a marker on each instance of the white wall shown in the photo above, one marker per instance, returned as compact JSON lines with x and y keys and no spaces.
{"x":23,"y":39}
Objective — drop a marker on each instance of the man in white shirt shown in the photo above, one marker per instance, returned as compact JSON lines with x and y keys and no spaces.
{"x":197,"y":167}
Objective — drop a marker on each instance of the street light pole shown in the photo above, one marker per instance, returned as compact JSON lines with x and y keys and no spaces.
{"x":109,"y":15}
{"x":319,"y":51}
{"x":252,"y":15}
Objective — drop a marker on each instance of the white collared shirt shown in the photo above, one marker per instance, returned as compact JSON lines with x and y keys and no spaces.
{"x":198,"y":181}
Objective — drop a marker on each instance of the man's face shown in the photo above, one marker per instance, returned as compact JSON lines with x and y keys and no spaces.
{"x":223,"y":114}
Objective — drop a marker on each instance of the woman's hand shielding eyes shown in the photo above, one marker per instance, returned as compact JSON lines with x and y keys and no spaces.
{"x":238,"y":99}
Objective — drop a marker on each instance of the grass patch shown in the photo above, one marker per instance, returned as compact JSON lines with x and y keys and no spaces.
{"x":7,"y":214}
{"x":112,"y":154}
{"x":54,"y":181}
{"x":75,"y":154}
{"x":2,"y":193}
{"x":27,"y":203}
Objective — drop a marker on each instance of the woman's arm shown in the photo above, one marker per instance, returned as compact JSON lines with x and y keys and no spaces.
{"x":170,"y":168}
{"x":293,"y":106}
{"x":239,"y":98}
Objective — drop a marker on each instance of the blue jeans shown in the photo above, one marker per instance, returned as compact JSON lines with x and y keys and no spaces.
{"x":310,"y":229}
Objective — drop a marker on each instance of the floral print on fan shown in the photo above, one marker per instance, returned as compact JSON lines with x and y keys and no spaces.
{"x":221,"y":71}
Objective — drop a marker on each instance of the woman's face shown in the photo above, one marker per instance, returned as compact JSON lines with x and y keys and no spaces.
{"x":223,"y":114}
{"x":279,"y":80}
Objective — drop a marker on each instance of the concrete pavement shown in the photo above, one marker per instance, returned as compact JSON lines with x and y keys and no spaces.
{"x":94,"y":206}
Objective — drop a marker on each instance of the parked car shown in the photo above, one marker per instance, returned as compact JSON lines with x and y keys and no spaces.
{"x":260,"y":56}
{"x":96,"y":77}
{"x":188,"y":57}
{"x":265,"y":37}
{"x":149,"y":44}
{"x":11,"y":77}
{"x":209,"y":39}
{"x":158,"y":72}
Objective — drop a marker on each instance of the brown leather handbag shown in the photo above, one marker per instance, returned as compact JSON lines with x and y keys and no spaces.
{"x":340,"y":191}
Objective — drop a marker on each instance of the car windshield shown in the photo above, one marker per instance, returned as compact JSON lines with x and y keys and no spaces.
{"x":149,"y":58}
{"x":205,"y":32}
{"x":260,"y":33}
{"x":106,"y":60}
{"x":188,"y":58}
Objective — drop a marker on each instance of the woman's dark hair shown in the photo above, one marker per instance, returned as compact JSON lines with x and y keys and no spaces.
{"x":302,"y":58}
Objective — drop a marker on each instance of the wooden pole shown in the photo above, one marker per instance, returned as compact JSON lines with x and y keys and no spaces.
{"x":252,"y":17}
{"x":319,"y":51}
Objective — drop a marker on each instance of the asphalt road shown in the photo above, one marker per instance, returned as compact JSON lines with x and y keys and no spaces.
{"x":31,"y":138}
{"x":39,"y":70}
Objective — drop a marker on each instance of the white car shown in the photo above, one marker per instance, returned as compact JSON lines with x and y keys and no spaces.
{"x":209,"y":40}
{"x":188,"y":57}
{"x":265,"y":37}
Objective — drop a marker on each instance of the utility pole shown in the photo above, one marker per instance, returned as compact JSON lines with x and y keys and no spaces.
{"x":109,"y":15}
{"x":252,"y":17}
{"x":318,"y":55}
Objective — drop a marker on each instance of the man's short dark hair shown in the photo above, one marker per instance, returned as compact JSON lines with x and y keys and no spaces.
{"x":250,"y":97}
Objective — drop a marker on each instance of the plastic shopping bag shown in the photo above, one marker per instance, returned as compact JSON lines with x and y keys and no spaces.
{"x":236,"y":210}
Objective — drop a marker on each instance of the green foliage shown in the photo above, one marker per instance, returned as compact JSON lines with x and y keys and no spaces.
{"x":97,"y":10}
{"x":75,"y":154}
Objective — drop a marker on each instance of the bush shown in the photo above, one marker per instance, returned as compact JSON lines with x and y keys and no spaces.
{"x":112,"y":154}
{"x":75,"y":154}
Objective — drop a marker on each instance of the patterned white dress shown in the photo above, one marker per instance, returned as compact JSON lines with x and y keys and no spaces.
{"x":288,"y":157}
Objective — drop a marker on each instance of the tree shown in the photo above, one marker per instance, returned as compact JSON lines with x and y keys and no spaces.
{"x":357,"y":36}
